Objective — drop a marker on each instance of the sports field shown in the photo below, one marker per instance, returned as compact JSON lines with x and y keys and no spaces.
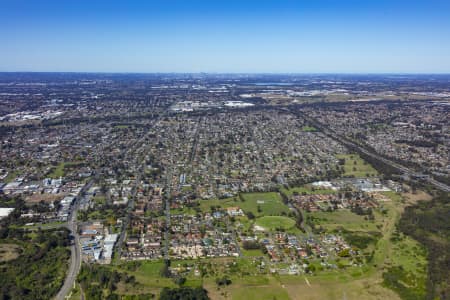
{"x":273,"y":222}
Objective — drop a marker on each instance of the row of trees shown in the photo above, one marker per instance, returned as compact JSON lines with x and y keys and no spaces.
{"x":184,"y":293}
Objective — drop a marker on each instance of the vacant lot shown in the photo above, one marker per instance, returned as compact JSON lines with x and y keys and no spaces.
{"x":49,"y":198}
{"x":9,"y":252}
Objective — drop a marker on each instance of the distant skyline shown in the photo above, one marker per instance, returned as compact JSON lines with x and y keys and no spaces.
{"x":309,"y":36}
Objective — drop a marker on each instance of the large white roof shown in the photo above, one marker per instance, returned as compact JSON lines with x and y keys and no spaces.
{"x":4,"y":211}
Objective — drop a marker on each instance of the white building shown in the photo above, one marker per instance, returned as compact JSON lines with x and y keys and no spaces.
{"x":5,"y":211}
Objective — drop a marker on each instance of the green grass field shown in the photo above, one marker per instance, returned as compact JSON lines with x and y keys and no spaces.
{"x":355,"y":166}
{"x":273,"y":222}
{"x":260,"y":204}
{"x":309,"y":129}
{"x":11,"y":176}
{"x":342,"y":218}
{"x":252,"y":253}
{"x":57,"y":171}
{"x":184,"y":210}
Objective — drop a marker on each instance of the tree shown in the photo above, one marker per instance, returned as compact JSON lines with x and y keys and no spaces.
{"x":223,"y":281}
{"x":165,"y":271}
{"x":250,"y":215}
{"x":180,"y":280}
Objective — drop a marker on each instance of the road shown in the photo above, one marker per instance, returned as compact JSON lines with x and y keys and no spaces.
{"x":167,"y":213}
{"x":75,"y":257}
{"x":130,"y":209}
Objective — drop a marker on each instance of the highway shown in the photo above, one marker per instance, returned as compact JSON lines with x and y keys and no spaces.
{"x":404,"y":170}
{"x":75,"y":257}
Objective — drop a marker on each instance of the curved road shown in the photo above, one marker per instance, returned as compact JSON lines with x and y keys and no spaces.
{"x":75,"y":258}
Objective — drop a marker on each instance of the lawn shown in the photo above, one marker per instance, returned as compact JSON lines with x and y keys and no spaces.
{"x":252,"y":252}
{"x":183,"y":210}
{"x":11,"y":176}
{"x":260,"y":204}
{"x":150,"y":268}
{"x":57,"y":171}
{"x":269,"y":204}
{"x":309,"y":129}
{"x":355,"y":166}
{"x":273,"y":222}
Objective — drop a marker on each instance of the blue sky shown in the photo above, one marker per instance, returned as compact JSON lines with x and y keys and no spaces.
{"x":303,"y":36}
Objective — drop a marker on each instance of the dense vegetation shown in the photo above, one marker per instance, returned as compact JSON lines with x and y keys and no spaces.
{"x":428,"y":222}
{"x":360,"y":240}
{"x":100,"y":282}
{"x":397,"y":279}
{"x":39,"y":271}
{"x":184,"y":293}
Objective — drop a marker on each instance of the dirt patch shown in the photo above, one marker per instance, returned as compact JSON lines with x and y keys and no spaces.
{"x":412,"y":198}
{"x":9,"y":252}
{"x":36,"y":198}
